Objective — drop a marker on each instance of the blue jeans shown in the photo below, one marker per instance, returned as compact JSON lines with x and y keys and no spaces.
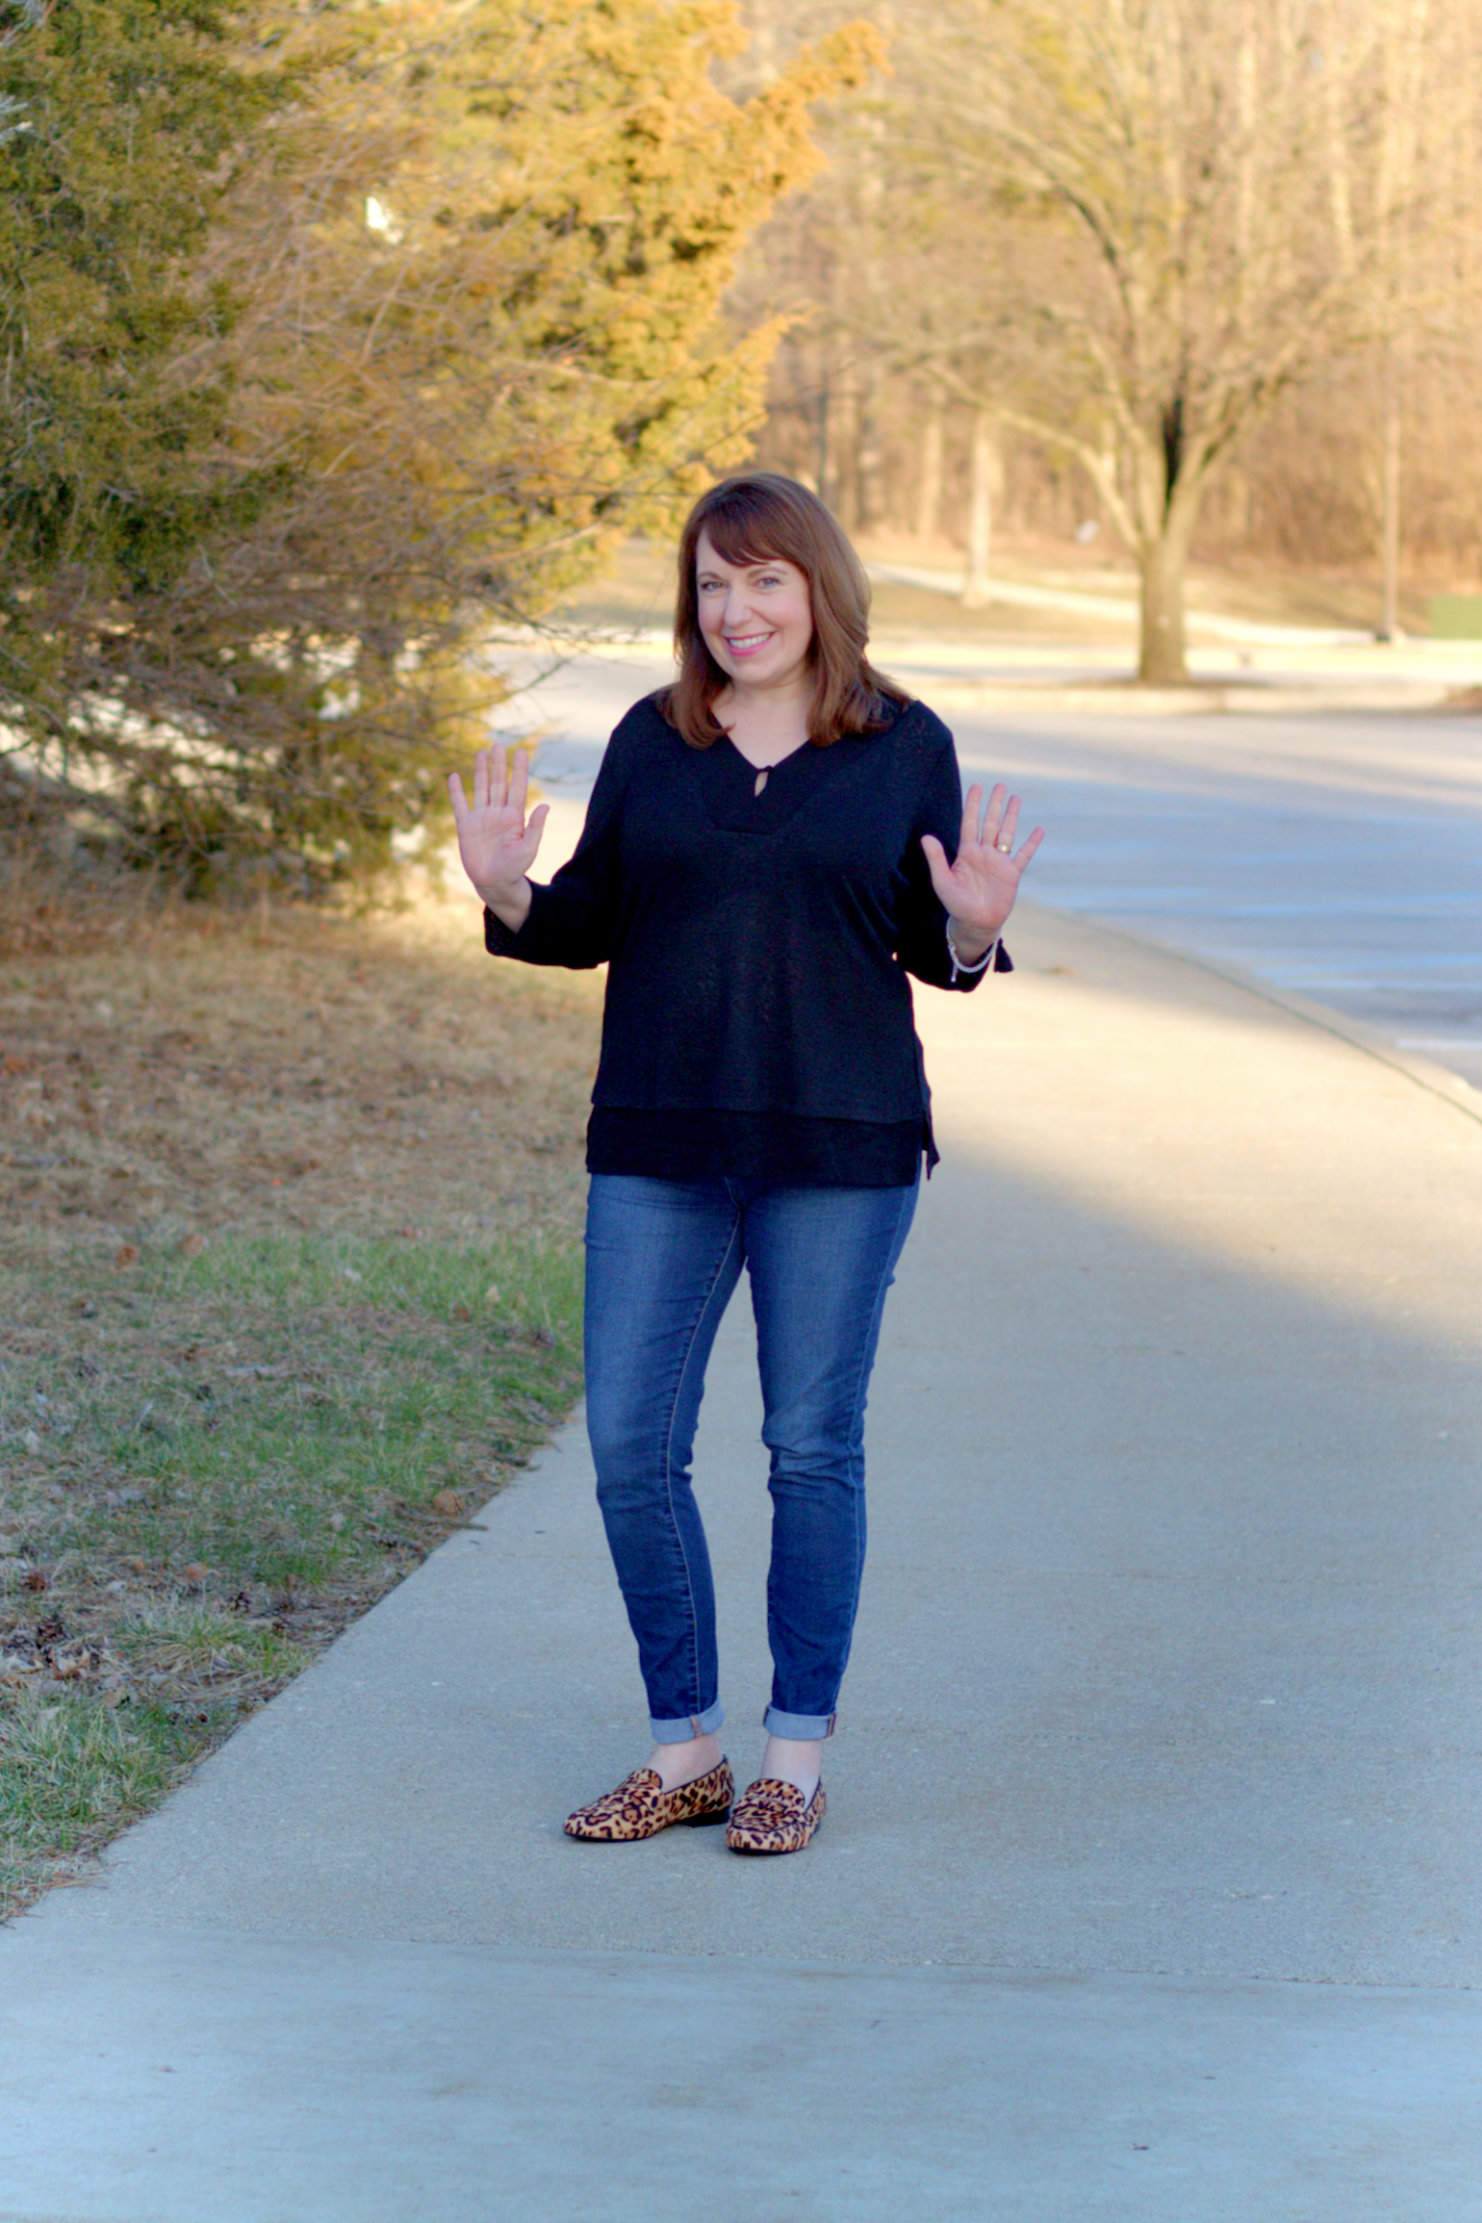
{"x":662,"y":1260}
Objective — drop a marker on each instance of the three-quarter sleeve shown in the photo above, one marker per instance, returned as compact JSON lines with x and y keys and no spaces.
{"x":573,"y":916}
{"x":921,"y":917}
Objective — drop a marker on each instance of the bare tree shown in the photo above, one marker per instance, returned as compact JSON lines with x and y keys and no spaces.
{"x":1220,"y":195}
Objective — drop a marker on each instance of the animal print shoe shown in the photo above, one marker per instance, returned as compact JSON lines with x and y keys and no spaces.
{"x":774,"y":1817}
{"x":641,"y":1807}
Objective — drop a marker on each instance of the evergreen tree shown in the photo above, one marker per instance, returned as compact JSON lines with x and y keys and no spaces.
{"x":336,"y":337}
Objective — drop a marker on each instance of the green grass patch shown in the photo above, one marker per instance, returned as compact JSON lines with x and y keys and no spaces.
{"x":209,"y":1465}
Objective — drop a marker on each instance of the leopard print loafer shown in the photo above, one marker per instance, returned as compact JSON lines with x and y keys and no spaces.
{"x":641,"y":1807}
{"x":773,"y":1817}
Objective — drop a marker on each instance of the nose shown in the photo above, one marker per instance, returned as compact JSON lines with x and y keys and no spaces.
{"x":737,"y":609}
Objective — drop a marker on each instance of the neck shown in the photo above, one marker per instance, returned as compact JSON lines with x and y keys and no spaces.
{"x":784,"y":704}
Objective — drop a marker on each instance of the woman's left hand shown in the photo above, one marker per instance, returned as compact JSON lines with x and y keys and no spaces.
{"x":979,"y":886}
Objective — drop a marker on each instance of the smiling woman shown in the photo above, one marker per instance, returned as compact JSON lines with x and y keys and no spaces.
{"x":773,"y":601}
{"x":765,"y":859}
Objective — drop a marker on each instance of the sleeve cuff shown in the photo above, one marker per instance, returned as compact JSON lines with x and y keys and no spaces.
{"x":995,"y":959}
{"x":500,"y":940}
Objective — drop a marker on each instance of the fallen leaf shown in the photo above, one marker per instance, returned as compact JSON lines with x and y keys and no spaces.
{"x":127,"y":1254}
{"x":35,"y":1580}
{"x":462,"y":1312}
{"x":491,"y":1294}
{"x":449,"y":1504}
{"x":191,"y":1246}
{"x":76,"y":1661}
{"x":136,"y":1566}
{"x":31,"y":1440}
{"x":195,"y":1572}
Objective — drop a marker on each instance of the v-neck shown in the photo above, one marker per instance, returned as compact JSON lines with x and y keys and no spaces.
{"x":757,"y":769}
{"x":733,"y":803}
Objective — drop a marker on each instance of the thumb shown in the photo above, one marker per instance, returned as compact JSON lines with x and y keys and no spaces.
{"x":937,"y":865}
{"x":535,"y":823}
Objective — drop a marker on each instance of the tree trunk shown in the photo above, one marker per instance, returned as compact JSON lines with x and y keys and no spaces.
{"x":977,"y":587}
{"x":823,"y":460}
{"x":1389,"y":532}
{"x":929,"y":488}
{"x":870,"y":501}
{"x":1162,"y":659}
{"x":843,"y":493}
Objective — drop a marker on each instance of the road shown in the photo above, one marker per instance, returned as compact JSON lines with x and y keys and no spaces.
{"x":1336,"y":856}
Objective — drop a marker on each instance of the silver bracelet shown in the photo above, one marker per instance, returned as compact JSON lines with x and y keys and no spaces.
{"x":967,"y":971}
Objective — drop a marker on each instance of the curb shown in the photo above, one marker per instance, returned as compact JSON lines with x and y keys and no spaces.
{"x":1236,"y":700}
{"x":1436,"y":1080}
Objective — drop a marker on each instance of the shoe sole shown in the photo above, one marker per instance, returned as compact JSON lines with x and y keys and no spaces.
{"x":685,"y":1821}
{"x":774,"y":1852}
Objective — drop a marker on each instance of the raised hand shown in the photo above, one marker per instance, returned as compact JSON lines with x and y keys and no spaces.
{"x":979,"y":886}
{"x":496,"y":841}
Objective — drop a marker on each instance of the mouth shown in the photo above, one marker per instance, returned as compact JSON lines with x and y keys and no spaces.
{"x":746,"y":644}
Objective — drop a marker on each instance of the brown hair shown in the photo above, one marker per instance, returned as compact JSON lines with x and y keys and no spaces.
{"x":759,"y":517}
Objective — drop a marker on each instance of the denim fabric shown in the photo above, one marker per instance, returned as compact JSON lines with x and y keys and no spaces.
{"x":663,"y":1257}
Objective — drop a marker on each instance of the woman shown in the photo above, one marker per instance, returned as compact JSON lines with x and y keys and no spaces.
{"x":765,"y":857}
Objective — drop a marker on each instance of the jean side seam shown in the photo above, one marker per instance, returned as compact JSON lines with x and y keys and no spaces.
{"x":679,"y":1378}
{"x":871,"y":1344}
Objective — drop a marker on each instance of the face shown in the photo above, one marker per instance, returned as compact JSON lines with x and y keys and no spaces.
{"x":757,"y":618}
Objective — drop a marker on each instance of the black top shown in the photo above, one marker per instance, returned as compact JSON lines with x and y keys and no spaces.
{"x":758,"y":1016}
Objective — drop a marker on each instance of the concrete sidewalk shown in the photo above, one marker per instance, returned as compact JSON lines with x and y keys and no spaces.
{"x":1149,"y":1891}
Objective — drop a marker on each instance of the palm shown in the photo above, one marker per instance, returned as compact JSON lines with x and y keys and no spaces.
{"x":979,"y":886}
{"x":496,"y":841}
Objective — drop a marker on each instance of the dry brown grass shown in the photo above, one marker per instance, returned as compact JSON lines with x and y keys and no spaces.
{"x":285,"y":1071}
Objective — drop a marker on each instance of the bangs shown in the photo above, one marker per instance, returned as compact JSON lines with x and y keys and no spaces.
{"x":737,"y":531}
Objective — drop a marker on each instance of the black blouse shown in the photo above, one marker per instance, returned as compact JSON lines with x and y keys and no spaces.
{"x":758,"y":1016}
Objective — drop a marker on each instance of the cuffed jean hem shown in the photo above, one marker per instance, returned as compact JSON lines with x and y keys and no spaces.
{"x":691,"y":1725}
{"x":801,"y":1726}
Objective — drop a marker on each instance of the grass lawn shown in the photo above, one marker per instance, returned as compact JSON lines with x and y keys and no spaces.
{"x":290,"y":1285}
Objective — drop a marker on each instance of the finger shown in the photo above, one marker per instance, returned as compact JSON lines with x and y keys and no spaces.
{"x":992,"y":813}
{"x":937,"y":866}
{"x":1028,"y":846}
{"x":457,"y":798}
{"x":536,"y":827}
{"x":519,"y":781}
{"x":1004,"y":837}
{"x":972,"y":811}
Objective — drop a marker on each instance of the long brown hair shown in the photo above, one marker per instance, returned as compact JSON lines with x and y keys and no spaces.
{"x":761,"y":517}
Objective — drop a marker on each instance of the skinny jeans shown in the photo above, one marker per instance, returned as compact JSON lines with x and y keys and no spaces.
{"x":663,"y":1258}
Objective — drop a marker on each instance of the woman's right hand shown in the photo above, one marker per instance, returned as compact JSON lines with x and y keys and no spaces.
{"x":495,"y":840}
